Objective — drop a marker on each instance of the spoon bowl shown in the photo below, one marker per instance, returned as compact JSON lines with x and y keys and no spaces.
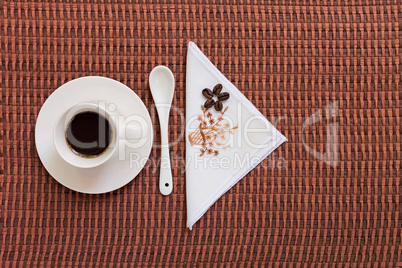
{"x":161,"y":82}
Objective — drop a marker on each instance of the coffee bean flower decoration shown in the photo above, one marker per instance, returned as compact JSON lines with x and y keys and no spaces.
{"x":220,"y":97}
{"x":211,"y":134}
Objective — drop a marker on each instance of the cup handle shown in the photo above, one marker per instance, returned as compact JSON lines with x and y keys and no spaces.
{"x":133,"y":133}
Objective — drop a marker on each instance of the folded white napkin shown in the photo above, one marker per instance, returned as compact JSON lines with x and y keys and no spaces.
{"x":221,"y":146}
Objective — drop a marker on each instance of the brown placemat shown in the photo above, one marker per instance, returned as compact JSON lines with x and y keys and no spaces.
{"x":293,"y":61}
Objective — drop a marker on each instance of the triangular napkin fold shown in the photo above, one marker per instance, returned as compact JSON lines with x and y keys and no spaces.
{"x":223,"y":144}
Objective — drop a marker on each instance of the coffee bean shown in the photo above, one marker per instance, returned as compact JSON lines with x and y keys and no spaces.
{"x":217,"y":89}
{"x":218,"y":106}
{"x":209,"y":103}
{"x":223,"y":96}
{"x":207,"y":93}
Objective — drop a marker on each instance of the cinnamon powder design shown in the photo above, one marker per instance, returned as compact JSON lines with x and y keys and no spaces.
{"x":211,"y":132}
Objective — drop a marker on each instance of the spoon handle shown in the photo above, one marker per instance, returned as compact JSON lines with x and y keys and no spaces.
{"x":165,"y":179}
{"x":165,"y":176}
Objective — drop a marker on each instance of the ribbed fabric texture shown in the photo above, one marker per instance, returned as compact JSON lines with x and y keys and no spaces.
{"x":291,"y":60}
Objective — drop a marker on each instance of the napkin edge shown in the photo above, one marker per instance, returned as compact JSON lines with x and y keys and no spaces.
{"x":243,"y":172}
{"x":214,"y":71}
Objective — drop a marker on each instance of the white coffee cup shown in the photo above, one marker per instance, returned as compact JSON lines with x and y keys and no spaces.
{"x":132,"y":132}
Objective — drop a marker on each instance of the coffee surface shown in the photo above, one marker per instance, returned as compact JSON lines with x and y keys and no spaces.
{"x":88,"y":134}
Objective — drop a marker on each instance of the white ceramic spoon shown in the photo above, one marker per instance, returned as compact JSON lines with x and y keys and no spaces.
{"x":161,"y":82}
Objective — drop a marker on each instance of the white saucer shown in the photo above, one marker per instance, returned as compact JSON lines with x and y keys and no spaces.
{"x":111,"y":175}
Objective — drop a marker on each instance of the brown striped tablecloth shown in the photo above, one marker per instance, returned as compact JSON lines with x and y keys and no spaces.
{"x":330,"y":196}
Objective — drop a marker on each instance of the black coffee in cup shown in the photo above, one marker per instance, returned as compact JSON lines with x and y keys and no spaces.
{"x":88,"y":134}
